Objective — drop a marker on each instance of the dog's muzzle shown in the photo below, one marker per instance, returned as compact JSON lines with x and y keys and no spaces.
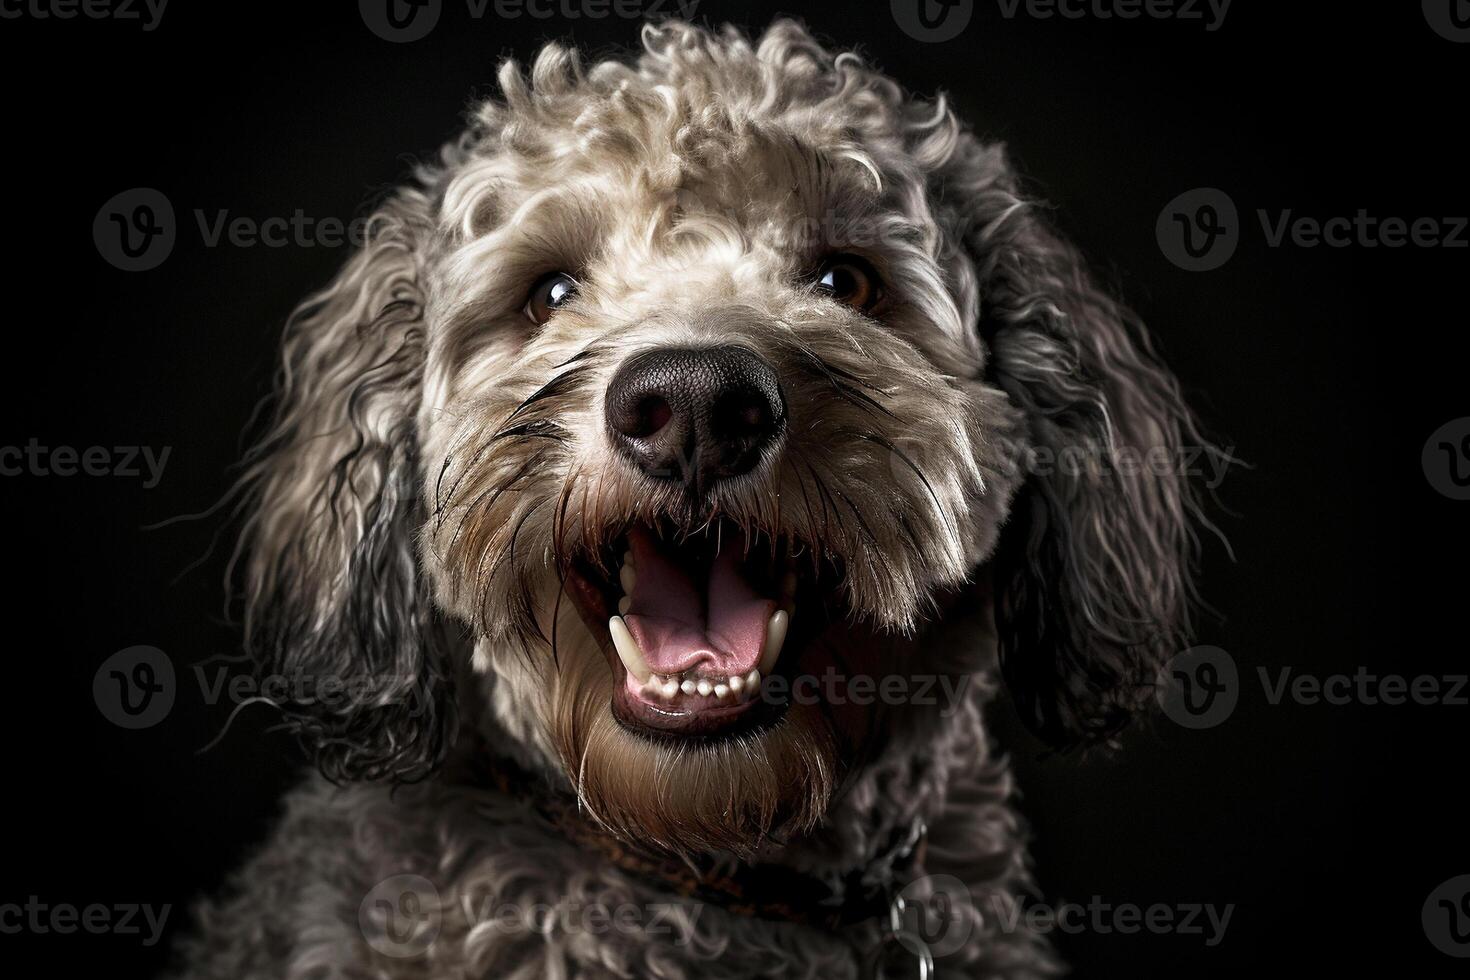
{"x":695,"y":415}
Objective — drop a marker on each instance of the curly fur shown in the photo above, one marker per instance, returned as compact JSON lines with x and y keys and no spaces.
{"x":436,"y":461}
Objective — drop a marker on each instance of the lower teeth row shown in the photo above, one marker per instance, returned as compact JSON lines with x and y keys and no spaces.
{"x":741,"y":687}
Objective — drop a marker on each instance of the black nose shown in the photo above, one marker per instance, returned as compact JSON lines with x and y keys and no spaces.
{"x":695,"y":416}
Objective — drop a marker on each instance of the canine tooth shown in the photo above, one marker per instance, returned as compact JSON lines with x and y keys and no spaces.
{"x":775,"y":636}
{"x":688,"y":687}
{"x":628,"y":651}
{"x":671,"y":688}
{"x":704,"y":687}
{"x":624,"y":604}
{"x":627,"y":578}
{"x":736,"y":683}
{"x":721,"y":690}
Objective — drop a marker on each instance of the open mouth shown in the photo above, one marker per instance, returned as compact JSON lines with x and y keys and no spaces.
{"x":695,"y":623}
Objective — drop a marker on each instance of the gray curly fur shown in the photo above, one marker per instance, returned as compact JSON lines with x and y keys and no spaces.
{"x":431,"y":463}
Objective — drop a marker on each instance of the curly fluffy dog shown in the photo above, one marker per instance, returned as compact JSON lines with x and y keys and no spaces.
{"x":658,"y":492}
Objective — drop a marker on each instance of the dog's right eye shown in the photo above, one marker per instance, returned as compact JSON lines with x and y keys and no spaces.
{"x":549,"y":294}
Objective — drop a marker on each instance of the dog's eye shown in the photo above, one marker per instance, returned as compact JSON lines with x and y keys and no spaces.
{"x":851,"y":280}
{"x":549,"y":294}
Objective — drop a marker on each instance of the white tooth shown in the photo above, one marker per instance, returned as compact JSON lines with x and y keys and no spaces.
{"x":752,"y":682}
{"x":775,"y":636}
{"x":736,"y":683}
{"x":628,"y":651}
{"x":687,"y":687}
{"x":627,"y":578}
{"x":721,"y":690}
{"x":704,"y":687}
{"x":671,"y":688}
{"x":627,"y":558}
{"x":624,"y":604}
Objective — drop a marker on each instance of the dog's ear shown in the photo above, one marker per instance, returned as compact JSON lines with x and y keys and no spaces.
{"x":336,"y":611}
{"x":1093,"y":570}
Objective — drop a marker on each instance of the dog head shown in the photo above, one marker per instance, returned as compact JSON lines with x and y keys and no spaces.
{"x":675,"y":381}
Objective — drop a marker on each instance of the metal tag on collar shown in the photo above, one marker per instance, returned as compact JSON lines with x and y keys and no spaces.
{"x":901,"y":952}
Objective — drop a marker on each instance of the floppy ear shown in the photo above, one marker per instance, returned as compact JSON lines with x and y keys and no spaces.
{"x":1093,"y":570}
{"x":336,"y":610}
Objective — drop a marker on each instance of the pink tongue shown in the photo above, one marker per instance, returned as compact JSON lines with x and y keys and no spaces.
{"x":717,"y":626}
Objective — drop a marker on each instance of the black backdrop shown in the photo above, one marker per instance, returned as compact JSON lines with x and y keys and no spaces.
{"x":1327,"y":368}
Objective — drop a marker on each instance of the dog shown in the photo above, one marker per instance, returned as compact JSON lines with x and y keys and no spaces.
{"x":651,"y":506}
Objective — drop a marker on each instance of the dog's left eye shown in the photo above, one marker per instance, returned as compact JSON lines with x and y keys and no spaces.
{"x":549,"y":294}
{"x":851,"y":280}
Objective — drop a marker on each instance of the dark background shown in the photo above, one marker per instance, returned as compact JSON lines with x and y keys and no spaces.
{"x":1327,"y":368}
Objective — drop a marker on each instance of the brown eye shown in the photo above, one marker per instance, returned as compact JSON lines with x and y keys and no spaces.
{"x":549,"y":294}
{"x":851,"y":280}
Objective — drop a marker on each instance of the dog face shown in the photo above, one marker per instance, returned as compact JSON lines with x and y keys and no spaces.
{"x":676,"y":379}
